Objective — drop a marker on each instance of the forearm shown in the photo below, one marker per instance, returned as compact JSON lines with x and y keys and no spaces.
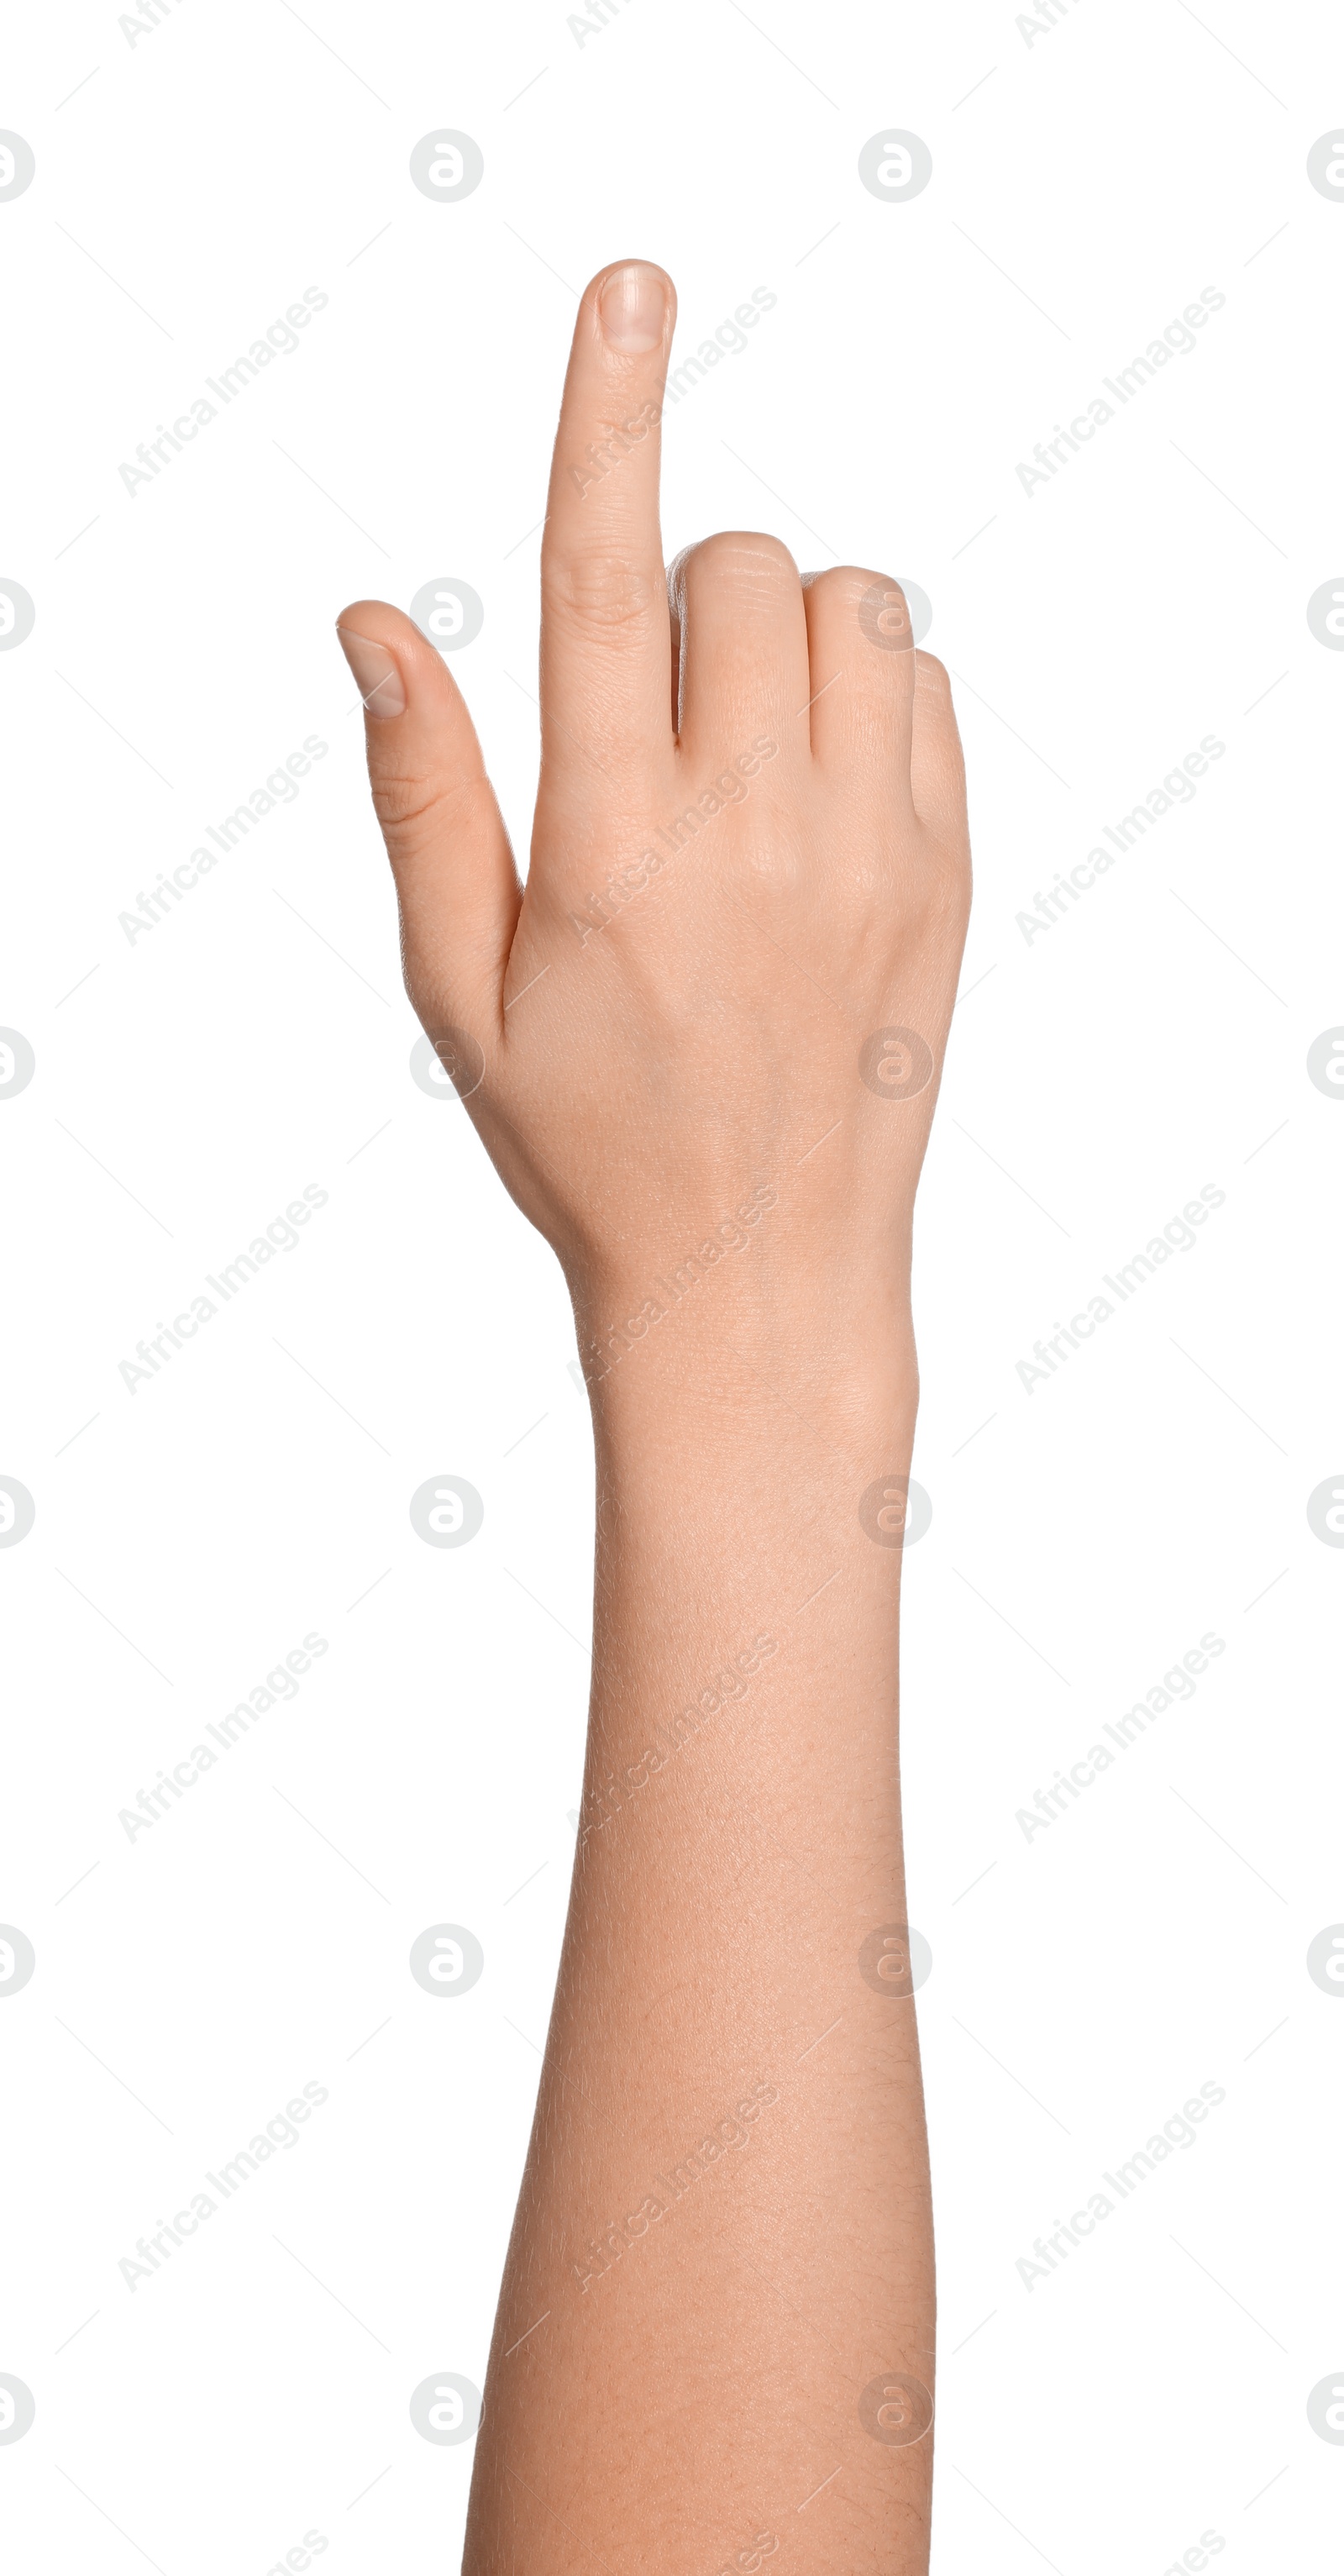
{"x":713,"y":2313}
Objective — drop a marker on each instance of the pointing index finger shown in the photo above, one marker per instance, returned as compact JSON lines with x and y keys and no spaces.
{"x":605,"y":642}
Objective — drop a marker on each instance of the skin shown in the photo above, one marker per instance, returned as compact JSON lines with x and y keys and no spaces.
{"x":716,"y":2366}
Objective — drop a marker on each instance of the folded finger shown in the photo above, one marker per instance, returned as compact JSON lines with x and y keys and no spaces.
{"x":862,"y":657}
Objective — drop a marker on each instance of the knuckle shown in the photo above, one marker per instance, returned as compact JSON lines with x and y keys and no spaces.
{"x":769,"y":860}
{"x":851,"y":600}
{"x":603,"y":590}
{"x":844,"y":585}
{"x":743,"y":556}
{"x":414,"y":805}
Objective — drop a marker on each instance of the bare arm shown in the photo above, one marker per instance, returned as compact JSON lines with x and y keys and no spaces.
{"x":703,"y":1051}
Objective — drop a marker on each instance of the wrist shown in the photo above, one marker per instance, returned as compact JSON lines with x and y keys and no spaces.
{"x":805,"y":1385}
{"x":814,"y":1323}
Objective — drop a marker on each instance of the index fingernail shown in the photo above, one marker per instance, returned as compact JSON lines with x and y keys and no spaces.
{"x":632,"y":307}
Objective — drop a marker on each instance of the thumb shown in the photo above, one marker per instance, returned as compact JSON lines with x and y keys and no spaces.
{"x":457,"y":888}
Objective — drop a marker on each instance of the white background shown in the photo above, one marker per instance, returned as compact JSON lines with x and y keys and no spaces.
{"x":1087,"y":185}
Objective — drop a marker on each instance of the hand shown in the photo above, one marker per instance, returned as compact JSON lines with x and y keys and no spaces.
{"x":749,"y":867}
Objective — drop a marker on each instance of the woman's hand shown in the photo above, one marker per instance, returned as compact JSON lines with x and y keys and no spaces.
{"x":716,"y":1016}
